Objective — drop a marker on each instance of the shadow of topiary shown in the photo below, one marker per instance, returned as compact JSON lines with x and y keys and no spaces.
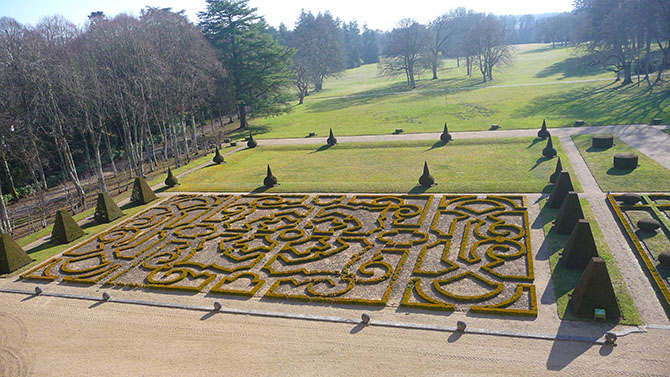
{"x":438,"y":144}
{"x":615,"y":171}
{"x":259,"y":189}
{"x":535,"y":141}
{"x":539,"y":162}
{"x":322,"y":148}
{"x":418,"y":189}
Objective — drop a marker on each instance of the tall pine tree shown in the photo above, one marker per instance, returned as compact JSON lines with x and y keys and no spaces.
{"x":258,"y":66}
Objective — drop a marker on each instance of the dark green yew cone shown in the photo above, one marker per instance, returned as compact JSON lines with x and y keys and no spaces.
{"x":560,"y":190}
{"x":142,"y":193}
{"x":445,"y":136}
{"x":557,"y":171}
{"x":331,"y":139}
{"x":171,"y":180}
{"x":251,"y":143}
{"x":594,"y":290}
{"x":543,"y":132}
{"x":570,"y":212}
{"x":12,"y":256}
{"x":218,"y":159}
{"x":270,"y":180}
{"x":581,"y":246}
{"x":105,"y":209}
{"x":65,"y":229}
{"x":426,"y":180}
{"x":549,"y":150}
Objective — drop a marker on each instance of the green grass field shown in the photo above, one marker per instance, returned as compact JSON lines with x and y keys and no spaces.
{"x":565,"y":280}
{"x":470,"y":165}
{"x":647,"y":177}
{"x":468,"y":104}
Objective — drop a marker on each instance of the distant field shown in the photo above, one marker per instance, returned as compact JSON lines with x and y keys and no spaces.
{"x":463,"y":166}
{"x":467,"y":103}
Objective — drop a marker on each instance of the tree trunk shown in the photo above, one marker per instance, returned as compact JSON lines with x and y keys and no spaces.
{"x":194,"y":136}
{"x":182,"y":123}
{"x":95,"y":141}
{"x":627,"y":74}
{"x":175,"y":144}
{"x":108,"y":144}
{"x":87,"y":152}
{"x":40,"y":199}
{"x":5,"y":224}
{"x":12,"y":187}
{"x":434,"y":70}
{"x":242,"y":109}
{"x":301,"y":96}
{"x":72,"y":171}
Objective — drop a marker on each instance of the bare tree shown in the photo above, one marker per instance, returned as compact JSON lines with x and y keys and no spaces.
{"x":440,"y":31}
{"x":405,"y":51}
{"x":492,"y":45}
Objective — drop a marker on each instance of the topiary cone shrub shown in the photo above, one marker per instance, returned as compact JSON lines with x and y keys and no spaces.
{"x":251,"y":143}
{"x":557,"y":171}
{"x":543,"y":132}
{"x":105,"y":209}
{"x":664,"y":259}
{"x":331,"y":139}
{"x":549,"y":150}
{"x":581,"y":246}
{"x":142,"y":193}
{"x":218,"y":159}
{"x":171,"y":180}
{"x":65,"y":229}
{"x":445,"y":136}
{"x":569,"y":214}
{"x":426,"y":180}
{"x":270,"y":180}
{"x":12,"y":256}
{"x":594,"y":290}
{"x":560,"y":190}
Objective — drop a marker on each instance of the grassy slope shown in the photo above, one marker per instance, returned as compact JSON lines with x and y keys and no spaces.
{"x":472,"y":165}
{"x":649,"y":176}
{"x":565,"y":280}
{"x":469,"y":104}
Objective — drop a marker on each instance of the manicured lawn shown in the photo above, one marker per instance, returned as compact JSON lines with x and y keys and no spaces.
{"x":648,"y":176}
{"x":469,"y":165}
{"x":468,"y":104}
{"x":565,"y":280}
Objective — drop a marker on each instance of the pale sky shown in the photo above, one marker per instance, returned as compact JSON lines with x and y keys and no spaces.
{"x":377,"y":14}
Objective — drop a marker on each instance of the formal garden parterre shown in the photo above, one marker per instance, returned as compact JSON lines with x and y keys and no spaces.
{"x":650,"y":243}
{"x":451,"y":252}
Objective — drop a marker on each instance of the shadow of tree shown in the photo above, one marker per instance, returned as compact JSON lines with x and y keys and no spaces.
{"x":608,"y":104}
{"x":572,"y":67}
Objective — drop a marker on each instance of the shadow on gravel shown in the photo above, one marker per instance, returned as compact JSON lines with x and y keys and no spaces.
{"x":564,"y":352}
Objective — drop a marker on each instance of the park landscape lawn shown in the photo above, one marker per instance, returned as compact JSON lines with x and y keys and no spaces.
{"x":647,"y":177}
{"x":468,"y":104}
{"x":564,"y":280}
{"x":463,"y":166}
